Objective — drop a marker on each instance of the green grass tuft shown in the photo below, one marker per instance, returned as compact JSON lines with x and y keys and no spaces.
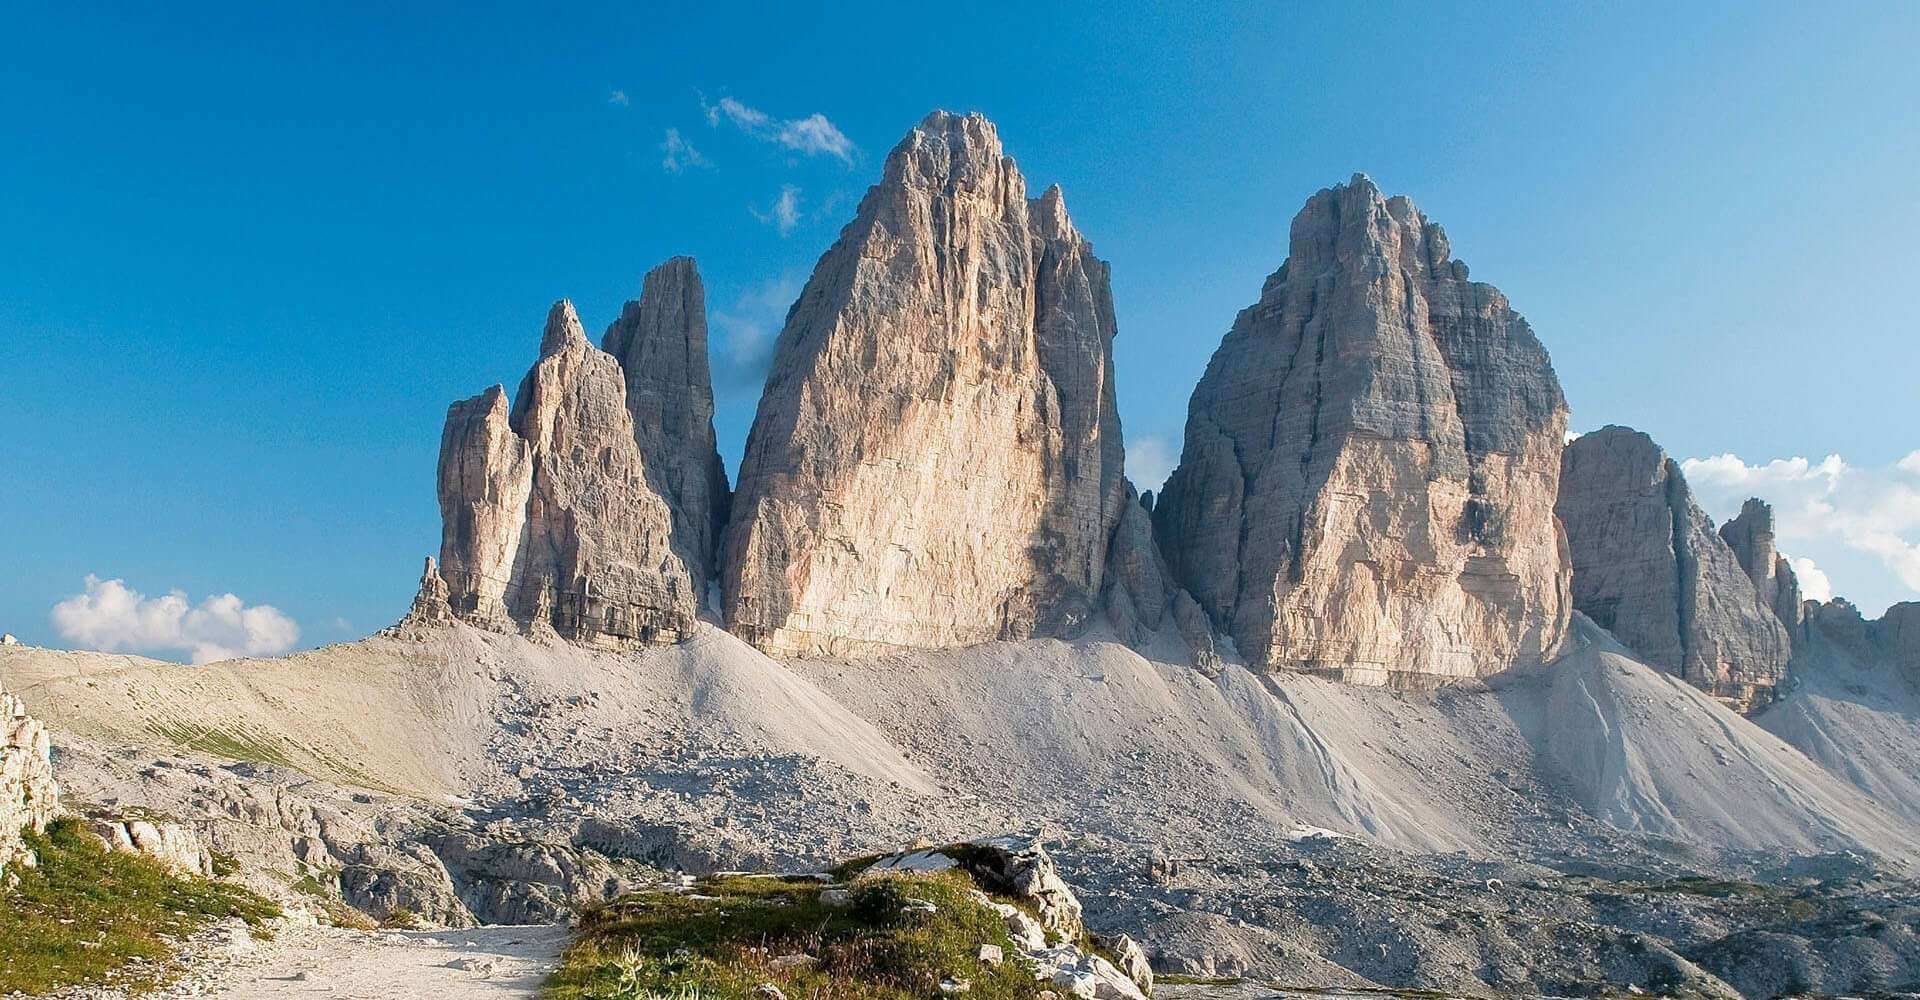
{"x":87,"y":916}
{"x":718,"y":942}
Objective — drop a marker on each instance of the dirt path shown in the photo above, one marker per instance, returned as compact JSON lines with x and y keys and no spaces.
{"x":483,"y":963}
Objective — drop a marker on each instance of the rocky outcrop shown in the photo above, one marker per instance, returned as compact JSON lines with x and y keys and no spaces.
{"x":1649,"y":567}
{"x":556,"y":512}
{"x":660,"y":341}
{"x":176,"y":846}
{"x":1893,"y":639}
{"x":936,"y":460}
{"x":29,"y":797}
{"x":1751,"y":537}
{"x":1366,"y":486}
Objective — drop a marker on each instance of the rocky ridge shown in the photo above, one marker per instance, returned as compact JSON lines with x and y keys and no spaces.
{"x":936,"y":460}
{"x":1367,"y":482}
{"x":1649,"y":567}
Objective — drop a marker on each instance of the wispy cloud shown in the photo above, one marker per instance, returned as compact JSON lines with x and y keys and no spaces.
{"x":1150,"y":460}
{"x":618,"y":98}
{"x":1828,"y":510}
{"x":813,"y":135}
{"x":784,"y":213}
{"x":677,"y":154}
{"x":748,"y":327}
{"x":109,"y":615}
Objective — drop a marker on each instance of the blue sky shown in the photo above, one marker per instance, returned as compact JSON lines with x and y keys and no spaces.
{"x":253,"y":252}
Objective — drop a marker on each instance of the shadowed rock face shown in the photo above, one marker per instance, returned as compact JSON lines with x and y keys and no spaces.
{"x":660,"y":341}
{"x":936,"y":460}
{"x":1366,"y":488}
{"x":554,"y":515}
{"x":1892,"y":639}
{"x":1751,"y":537}
{"x":1648,"y":567}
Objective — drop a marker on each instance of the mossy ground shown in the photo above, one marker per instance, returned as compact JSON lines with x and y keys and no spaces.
{"x":89,"y":916}
{"x":721,"y":939}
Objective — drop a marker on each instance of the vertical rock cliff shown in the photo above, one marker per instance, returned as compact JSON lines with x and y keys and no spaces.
{"x":1649,"y":567}
{"x":660,"y":341}
{"x":559,"y":513}
{"x":1367,"y":482}
{"x":936,"y":460}
{"x":1751,"y":537}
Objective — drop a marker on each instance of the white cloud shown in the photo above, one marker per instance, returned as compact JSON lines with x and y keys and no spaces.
{"x":813,"y":135}
{"x":678,"y":154}
{"x":1150,"y":460}
{"x":110,"y":616}
{"x":618,"y":98}
{"x":748,"y":328}
{"x":1814,"y":585}
{"x":1831,"y":511}
{"x":785,"y":211}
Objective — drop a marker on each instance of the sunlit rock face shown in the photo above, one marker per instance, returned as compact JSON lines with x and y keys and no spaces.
{"x":1367,"y":483}
{"x":558,"y":516}
{"x":1649,"y":567}
{"x":936,"y":460}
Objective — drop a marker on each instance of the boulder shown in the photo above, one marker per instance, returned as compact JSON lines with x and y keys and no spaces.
{"x":1366,"y":486}
{"x":1649,"y":567}
{"x":936,"y":460}
{"x":174,"y":845}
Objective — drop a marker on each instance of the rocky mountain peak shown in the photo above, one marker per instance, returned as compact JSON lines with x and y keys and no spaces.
{"x":1751,"y":537}
{"x":583,"y":511}
{"x":1649,"y":567}
{"x":936,"y":460}
{"x":1366,"y":486}
{"x":660,"y":341}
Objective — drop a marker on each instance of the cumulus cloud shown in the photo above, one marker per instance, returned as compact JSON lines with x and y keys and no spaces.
{"x":747,"y":329}
{"x":1814,"y":585}
{"x":677,"y":154}
{"x":1830,"y":510}
{"x":1150,"y":460}
{"x":784,"y":214}
{"x":109,"y":615}
{"x":813,"y":135}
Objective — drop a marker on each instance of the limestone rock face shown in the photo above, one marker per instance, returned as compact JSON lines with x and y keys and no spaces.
{"x":1751,"y":537}
{"x":1649,"y":567}
{"x":1366,"y":487}
{"x":551,"y":519}
{"x":1893,"y":639}
{"x":936,"y":460}
{"x":660,"y":341}
{"x":29,"y":797}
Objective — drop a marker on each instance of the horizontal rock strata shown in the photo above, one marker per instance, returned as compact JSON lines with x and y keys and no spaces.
{"x":1366,"y":487}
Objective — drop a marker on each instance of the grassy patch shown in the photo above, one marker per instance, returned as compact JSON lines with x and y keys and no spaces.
{"x":727,"y":935}
{"x":89,"y":916}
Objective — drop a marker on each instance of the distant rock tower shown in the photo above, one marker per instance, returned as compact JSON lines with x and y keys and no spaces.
{"x":1366,"y":488}
{"x":1649,"y":567}
{"x":586,"y":509}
